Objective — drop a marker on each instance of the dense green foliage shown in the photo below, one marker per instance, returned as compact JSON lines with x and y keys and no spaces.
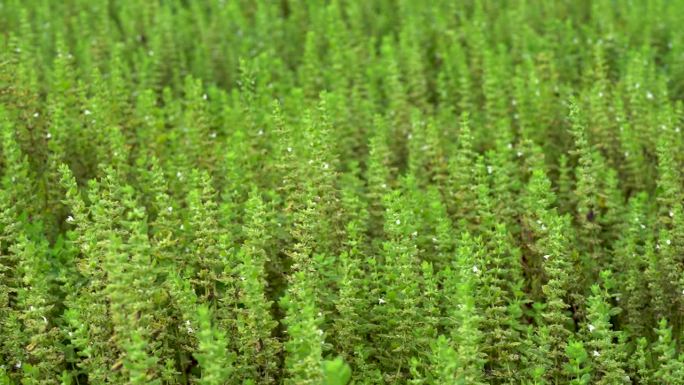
{"x":332,"y":192}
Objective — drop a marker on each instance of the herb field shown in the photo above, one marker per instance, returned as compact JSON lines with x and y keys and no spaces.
{"x":341,"y":192}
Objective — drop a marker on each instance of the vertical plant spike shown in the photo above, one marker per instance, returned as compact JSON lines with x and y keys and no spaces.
{"x":556,"y":318}
{"x":468,"y":335}
{"x":607,"y":354}
{"x":588,"y":209}
{"x":461,"y":177}
{"x":639,"y":362}
{"x":16,"y":181}
{"x":303,"y":349}
{"x":259,"y":349}
{"x":397,"y":307}
{"x":577,"y":369}
{"x":44,"y":352}
{"x":668,"y":365}
{"x":212,"y":355}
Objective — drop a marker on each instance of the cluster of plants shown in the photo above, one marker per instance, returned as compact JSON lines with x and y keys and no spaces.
{"x":339,"y":191}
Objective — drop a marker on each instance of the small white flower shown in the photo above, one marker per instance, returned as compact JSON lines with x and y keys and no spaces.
{"x":434,"y":240}
{"x":384,"y":185}
{"x":70,"y":219}
{"x":510,"y":146}
{"x":260,"y":132}
{"x":87,"y":112}
{"x":212,"y":135}
{"x":649,"y":95}
{"x":596,"y":353}
{"x":519,"y":153}
{"x":169,"y":209}
{"x":657,"y":246}
{"x":543,"y":227}
{"x":31,"y":308}
{"x":35,"y":115}
{"x":48,"y":135}
{"x":414,"y":234}
{"x":671,"y":214}
{"x":289,"y":149}
{"x":591,"y":328}
{"x":242,"y":278}
{"x":179,"y":174}
{"x":626,"y":154}
{"x":398,"y":221}
{"x":409,"y":136}
{"x":600,"y":94}
{"x":44,"y":319}
{"x":668,"y":242}
{"x":204,"y":96}
{"x":320,"y":332}
{"x":490,"y":169}
{"x":18,"y":365}
{"x":326,"y":166}
{"x":381,"y":301}
{"x":546,"y":257}
{"x":642,"y":226}
{"x":182,"y":227}
{"x":475,"y":270}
